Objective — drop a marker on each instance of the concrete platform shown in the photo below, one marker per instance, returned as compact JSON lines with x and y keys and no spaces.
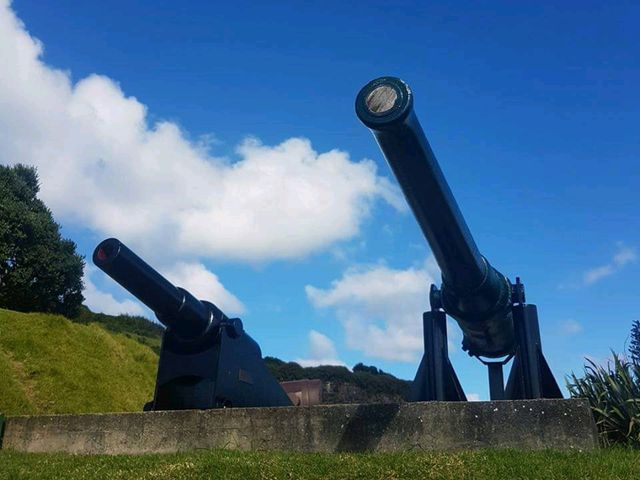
{"x":528,"y":424}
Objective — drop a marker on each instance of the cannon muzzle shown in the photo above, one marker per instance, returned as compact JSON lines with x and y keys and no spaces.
{"x":476,"y":295}
{"x":176,"y":308}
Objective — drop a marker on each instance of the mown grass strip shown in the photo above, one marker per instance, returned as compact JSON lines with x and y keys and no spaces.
{"x":477,"y":465}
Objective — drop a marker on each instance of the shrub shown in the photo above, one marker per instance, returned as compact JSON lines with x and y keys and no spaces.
{"x":613,"y":392}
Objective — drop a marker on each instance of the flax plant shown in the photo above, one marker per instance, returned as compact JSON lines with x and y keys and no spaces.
{"x":613,"y":391}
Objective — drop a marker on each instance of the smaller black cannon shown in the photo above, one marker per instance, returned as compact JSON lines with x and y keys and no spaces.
{"x":207,"y":360}
{"x":490,"y":310}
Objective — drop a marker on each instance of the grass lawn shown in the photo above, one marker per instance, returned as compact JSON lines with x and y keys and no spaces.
{"x":488,"y":464}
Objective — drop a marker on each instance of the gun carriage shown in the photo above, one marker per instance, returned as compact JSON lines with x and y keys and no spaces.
{"x":490,"y":310}
{"x":207,"y":360}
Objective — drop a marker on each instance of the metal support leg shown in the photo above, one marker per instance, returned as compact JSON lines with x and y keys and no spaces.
{"x":496,"y":380}
{"x":435,"y":379}
{"x":530,"y":376}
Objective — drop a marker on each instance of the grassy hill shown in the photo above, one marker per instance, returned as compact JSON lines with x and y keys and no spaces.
{"x":132,"y":326}
{"x":49,"y":364}
{"x":104,"y":363}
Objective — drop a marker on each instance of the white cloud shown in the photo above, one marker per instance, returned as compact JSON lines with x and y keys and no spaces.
{"x":322,"y":351}
{"x":99,"y":301}
{"x":473,"y":397}
{"x":623,"y":256}
{"x":104,"y":167}
{"x":594,"y":274}
{"x":193,"y":277}
{"x":570,"y":327}
{"x":204,"y":285}
{"x":380,"y":308}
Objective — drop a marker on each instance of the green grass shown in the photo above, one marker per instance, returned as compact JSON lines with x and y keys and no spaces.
{"x":132,"y":326}
{"x":477,"y":465}
{"x":49,"y":364}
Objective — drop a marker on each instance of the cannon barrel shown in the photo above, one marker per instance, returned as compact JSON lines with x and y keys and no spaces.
{"x":176,"y":308}
{"x":476,"y":295}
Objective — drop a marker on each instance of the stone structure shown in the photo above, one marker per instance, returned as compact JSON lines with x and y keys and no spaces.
{"x":527,"y":424}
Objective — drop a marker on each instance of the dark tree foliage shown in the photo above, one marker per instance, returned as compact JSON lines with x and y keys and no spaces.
{"x":39,"y":270}
{"x":634,"y":346}
{"x":284,"y":371}
{"x":360,"y":367}
{"x":329,"y":373}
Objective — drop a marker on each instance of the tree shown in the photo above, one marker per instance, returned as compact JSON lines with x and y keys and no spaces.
{"x":360,"y":367}
{"x":634,"y":346}
{"x":39,"y":270}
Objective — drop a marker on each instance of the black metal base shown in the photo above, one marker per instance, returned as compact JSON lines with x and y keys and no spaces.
{"x":222,"y":370}
{"x":530,"y":375}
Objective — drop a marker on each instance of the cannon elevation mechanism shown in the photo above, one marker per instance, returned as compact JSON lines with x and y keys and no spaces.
{"x":490,"y":310}
{"x":207,"y":360}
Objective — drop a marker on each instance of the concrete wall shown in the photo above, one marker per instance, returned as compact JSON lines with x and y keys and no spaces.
{"x":530,"y":424}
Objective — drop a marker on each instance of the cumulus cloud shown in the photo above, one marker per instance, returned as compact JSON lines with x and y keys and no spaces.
{"x":105,"y":167}
{"x":322,"y":351}
{"x":473,"y":397}
{"x":100,"y":301}
{"x":623,"y":256}
{"x":204,"y":285}
{"x":380,"y":308}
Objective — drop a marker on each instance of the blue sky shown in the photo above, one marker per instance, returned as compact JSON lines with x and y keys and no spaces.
{"x":138,"y":116}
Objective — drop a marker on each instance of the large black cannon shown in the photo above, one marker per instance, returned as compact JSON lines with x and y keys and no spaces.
{"x":207,"y":360}
{"x":490,"y":310}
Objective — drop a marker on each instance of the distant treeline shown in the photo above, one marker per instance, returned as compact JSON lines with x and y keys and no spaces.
{"x":363,"y":384}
